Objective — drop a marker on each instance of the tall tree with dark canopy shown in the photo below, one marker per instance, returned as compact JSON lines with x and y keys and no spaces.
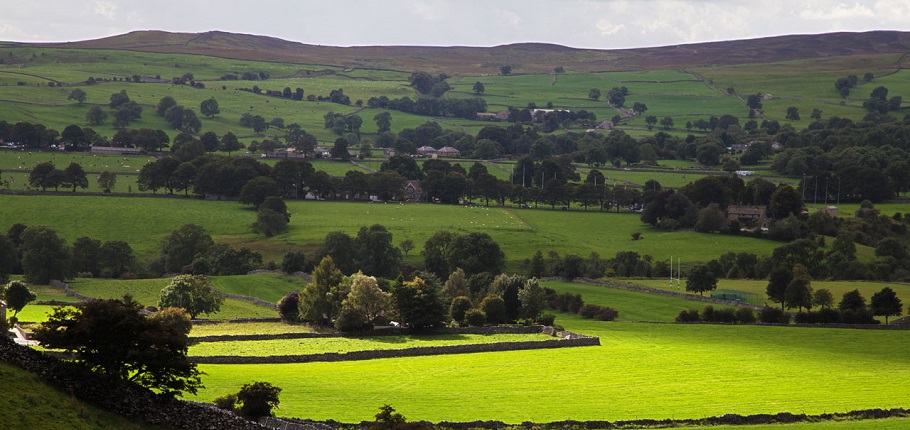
{"x":701,"y":279}
{"x":17,"y":295}
{"x":112,"y":337}
{"x":418,"y":304}
{"x":777,"y":285}
{"x":886,"y":303}
{"x":209,"y":107}
{"x":45,"y":255}
{"x":474,"y":253}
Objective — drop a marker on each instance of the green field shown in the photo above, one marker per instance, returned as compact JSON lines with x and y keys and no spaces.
{"x":632,"y":305}
{"x":640,"y":371}
{"x":146,"y":292}
{"x":519,"y":232}
{"x":29,"y":403}
{"x":259,"y":348}
{"x":754,"y":290}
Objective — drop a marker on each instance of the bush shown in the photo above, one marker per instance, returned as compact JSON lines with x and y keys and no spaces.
{"x":226,"y":402}
{"x":475,"y":317}
{"x":745,"y":315}
{"x":85,"y":275}
{"x":690,"y":315}
{"x":257,"y":399}
{"x":769,"y":315}
{"x":460,"y":305}
{"x":722,"y":315}
{"x":288,"y":308}
{"x":546,"y":319}
{"x":601,"y":313}
{"x":350,"y":319}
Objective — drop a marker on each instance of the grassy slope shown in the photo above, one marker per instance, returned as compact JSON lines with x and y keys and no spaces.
{"x":519,"y":232}
{"x":28,"y":403}
{"x":258,"y":348}
{"x":632,"y":306}
{"x":641,"y":371}
{"x":755,"y":289}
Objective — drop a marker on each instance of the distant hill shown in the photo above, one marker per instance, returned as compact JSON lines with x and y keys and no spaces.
{"x":523,"y":57}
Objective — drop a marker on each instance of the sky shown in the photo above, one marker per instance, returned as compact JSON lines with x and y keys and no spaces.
{"x":599,"y":24}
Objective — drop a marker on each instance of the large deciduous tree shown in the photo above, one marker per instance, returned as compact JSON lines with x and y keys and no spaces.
{"x":182,"y":246}
{"x":418,"y":304}
{"x":701,"y":279}
{"x":17,"y":295}
{"x":320,"y":301}
{"x":45,"y":255}
{"x":192,"y":293}
{"x":886,"y":303}
{"x":112,"y":337}
{"x":209,"y":107}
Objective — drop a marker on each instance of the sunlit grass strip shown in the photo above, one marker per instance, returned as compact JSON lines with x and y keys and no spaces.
{"x":252,"y":348}
{"x":642,"y":371}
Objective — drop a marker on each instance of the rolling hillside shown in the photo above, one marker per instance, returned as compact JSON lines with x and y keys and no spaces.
{"x":524,"y":58}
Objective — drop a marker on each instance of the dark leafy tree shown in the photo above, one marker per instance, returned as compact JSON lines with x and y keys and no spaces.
{"x":184,"y":245}
{"x":86,"y":254}
{"x":799,"y":290}
{"x":505,"y":70}
{"x":17,"y":295}
{"x":418,"y":304}
{"x":852,"y":301}
{"x":886,"y":303}
{"x":258,"y":399}
{"x":777,"y":285}
{"x":478,"y":87}
{"x":9,"y":258}
{"x":78,"y":95}
{"x":230,"y":143}
{"x":96,"y":115}
{"x":148,"y":351}
{"x":74,"y":176}
{"x":45,"y":255}
{"x":474,"y":253}
{"x":701,"y":279}
{"x":164,"y":104}
{"x":376,"y":255}
{"x":293,"y":261}
{"x":288,"y":306}
{"x":256,"y":190}
{"x":383,"y":121}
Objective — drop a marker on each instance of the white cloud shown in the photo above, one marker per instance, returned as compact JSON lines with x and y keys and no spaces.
{"x":893,"y":10}
{"x":105,"y":9}
{"x":838,"y":12}
{"x":607,"y":28}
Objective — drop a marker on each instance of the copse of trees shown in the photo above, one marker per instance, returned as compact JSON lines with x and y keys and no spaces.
{"x":149,"y":351}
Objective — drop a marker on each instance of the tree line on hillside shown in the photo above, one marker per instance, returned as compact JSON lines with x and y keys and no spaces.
{"x":41,"y":255}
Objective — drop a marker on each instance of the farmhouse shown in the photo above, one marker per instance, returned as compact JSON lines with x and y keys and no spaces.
{"x":412,"y":191}
{"x":448,"y":152}
{"x":748,"y":214}
{"x":426,"y":151}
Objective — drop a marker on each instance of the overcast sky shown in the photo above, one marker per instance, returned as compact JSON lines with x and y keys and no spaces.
{"x":602,"y":24}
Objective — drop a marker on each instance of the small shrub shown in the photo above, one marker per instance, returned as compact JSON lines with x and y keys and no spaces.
{"x":636,"y":235}
{"x":85,"y":275}
{"x":227,"y":402}
{"x":771,"y":315}
{"x":745,"y":315}
{"x":475,"y":317}
{"x":689,"y":315}
{"x":546,"y":319}
{"x":257,"y":399}
{"x":601,"y":313}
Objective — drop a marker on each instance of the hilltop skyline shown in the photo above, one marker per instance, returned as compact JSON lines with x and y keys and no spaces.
{"x":598,"y":24}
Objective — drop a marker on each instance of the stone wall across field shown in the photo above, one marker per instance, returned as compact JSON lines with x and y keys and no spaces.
{"x":630,"y":287}
{"x":122,"y":398}
{"x":381,"y":332}
{"x":406,"y":352}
